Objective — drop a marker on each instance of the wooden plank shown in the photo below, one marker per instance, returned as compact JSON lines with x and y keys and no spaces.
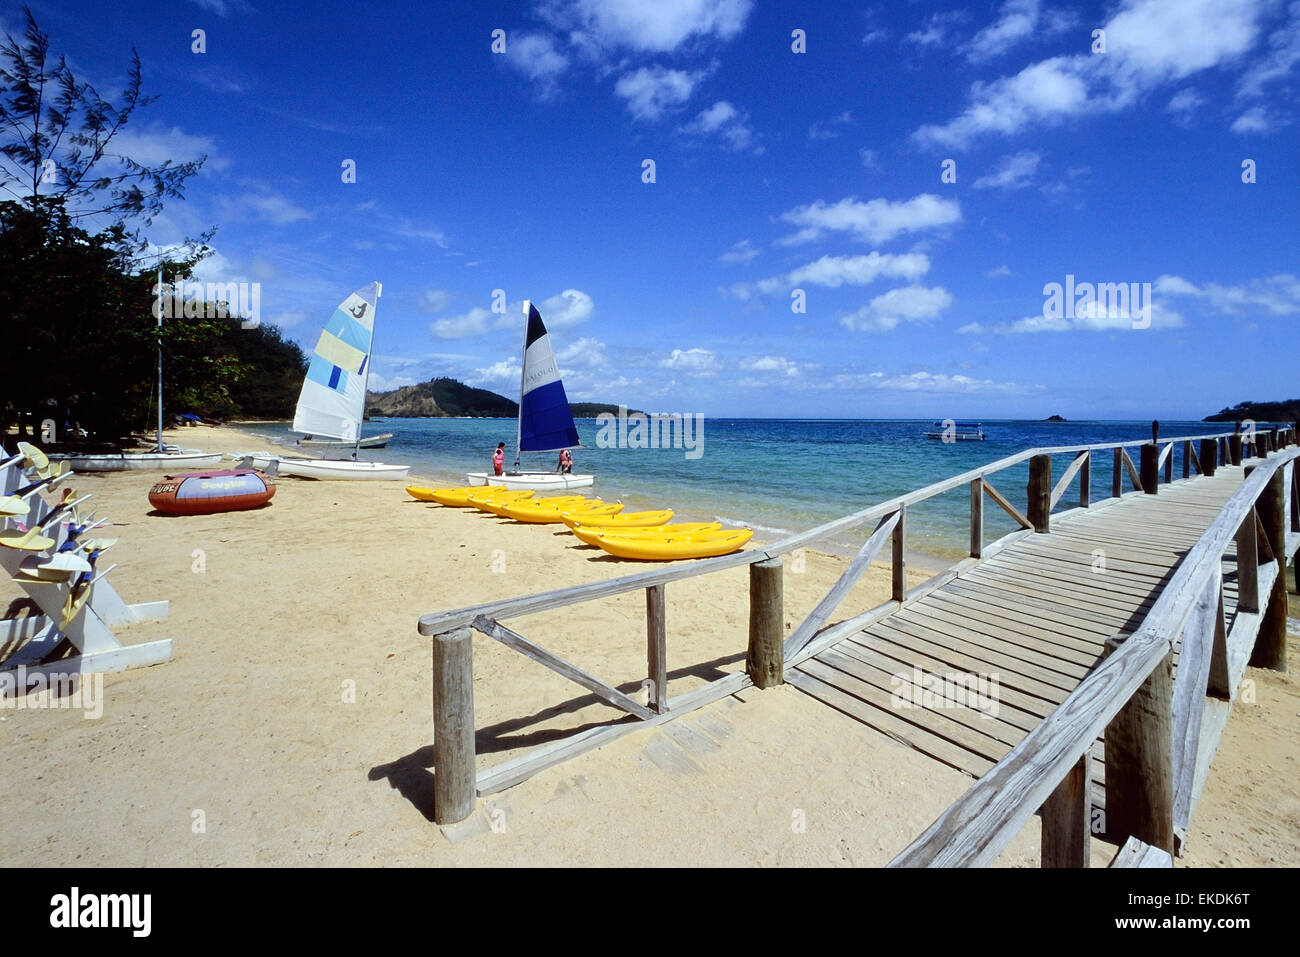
{"x":1137,"y":853}
{"x":887,"y":723}
{"x":866,"y":555}
{"x":1017,"y":647}
{"x":1010,"y":509}
{"x":1248,"y":564}
{"x":657,"y":647}
{"x":1035,"y":640}
{"x":977,"y":518}
{"x":512,"y":639}
{"x":519,"y":769}
{"x":899,"y":556}
{"x":1189,"y":699}
{"x":973,"y":831}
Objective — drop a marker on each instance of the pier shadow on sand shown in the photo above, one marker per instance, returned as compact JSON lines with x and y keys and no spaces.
{"x":412,"y":774}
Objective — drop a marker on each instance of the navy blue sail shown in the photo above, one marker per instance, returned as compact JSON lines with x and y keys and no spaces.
{"x":545,"y":421}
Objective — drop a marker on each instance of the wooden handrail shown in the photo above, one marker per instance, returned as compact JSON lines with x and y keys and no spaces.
{"x":979,"y":824}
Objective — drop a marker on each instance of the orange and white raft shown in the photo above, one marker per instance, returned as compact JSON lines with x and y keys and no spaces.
{"x":200,"y":493}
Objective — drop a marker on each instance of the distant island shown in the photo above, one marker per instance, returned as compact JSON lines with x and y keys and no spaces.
{"x":448,"y":398}
{"x":1288,"y":410}
{"x":1056,"y":418}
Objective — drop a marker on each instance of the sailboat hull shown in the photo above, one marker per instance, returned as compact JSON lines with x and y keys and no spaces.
{"x":373,"y":442}
{"x":130,"y":461}
{"x":539,"y":481}
{"x":335,"y":469}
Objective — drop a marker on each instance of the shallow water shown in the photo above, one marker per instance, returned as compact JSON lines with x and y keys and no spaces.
{"x":781,"y":475}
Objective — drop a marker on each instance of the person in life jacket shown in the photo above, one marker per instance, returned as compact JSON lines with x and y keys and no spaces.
{"x":499,"y":459}
{"x":566,"y":461}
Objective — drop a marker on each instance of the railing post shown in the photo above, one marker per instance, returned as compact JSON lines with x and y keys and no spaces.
{"x":1040,"y":492}
{"x":977,"y":518}
{"x":454,"y":775}
{"x":1067,"y":818}
{"x":1149,"y":469}
{"x":899,"y":555}
{"x":1261,"y":444}
{"x":1270,"y":643}
{"x":1085,"y":481}
{"x":1169,"y":464}
{"x":656,"y":648}
{"x":1117,"y":474}
{"x":1140,"y":760}
{"x":1234,"y":448}
{"x":1247,"y":565}
{"x":765,"y":661}
{"x":1187,"y":459}
{"x":1208,"y":459}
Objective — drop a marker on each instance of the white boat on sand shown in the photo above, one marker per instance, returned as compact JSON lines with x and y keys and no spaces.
{"x":169,"y":458}
{"x":545,"y":420}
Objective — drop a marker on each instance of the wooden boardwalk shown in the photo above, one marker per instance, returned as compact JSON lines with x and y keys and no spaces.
{"x":1036,"y":615}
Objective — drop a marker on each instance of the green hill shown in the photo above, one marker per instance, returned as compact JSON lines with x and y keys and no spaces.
{"x":1288,"y":410}
{"x":444,"y":397}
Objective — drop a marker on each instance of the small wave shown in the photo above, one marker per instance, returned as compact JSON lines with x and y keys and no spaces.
{"x":754,"y":525}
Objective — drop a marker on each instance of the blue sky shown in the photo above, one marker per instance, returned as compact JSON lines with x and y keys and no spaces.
{"x":775,"y":171}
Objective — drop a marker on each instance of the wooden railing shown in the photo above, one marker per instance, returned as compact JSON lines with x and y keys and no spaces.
{"x":457,"y":780}
{"x":1157,"y":751}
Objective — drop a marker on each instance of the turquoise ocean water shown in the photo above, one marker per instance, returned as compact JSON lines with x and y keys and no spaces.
{"x":779,"y":475}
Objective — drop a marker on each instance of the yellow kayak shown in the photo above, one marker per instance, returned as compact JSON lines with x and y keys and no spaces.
{"x":626,"y":519}
{"x":454,"y":497}
{"x":589,"y":533}
{"x":673,"y":547}
{"x":497,"y":506}
{"x":542,"y":514}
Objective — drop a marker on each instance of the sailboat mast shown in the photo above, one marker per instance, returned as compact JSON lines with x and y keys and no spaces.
{"x":523,"y":370}
{"x":160,"y":386}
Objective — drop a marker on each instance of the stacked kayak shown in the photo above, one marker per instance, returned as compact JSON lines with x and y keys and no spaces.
{"x":672,"y":545}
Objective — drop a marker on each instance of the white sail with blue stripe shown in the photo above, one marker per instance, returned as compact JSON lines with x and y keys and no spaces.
{"x":545,"y":420}
{"x":333,"y":398}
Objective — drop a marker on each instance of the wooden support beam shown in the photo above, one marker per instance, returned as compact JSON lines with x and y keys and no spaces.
{"x":1067,"y":818}
{"x":1079,"y":464}
{"x":1270,"y":644}
{"x":765,"y":661}
{"x":1219,"y":683}
{"x":1190,"y":459}
{"x":1136,"y":853}
{"x":607,"y":693}
{"x":1085,"y":480}
{"x":1132,"y":470}
{"x":1040,"y":493}
{"x":1209,"y":457}
{"x":454,"y":787}
{"x":899,"y":557}
{"x":1150,"y":473}
{"x":861,"y":562}
{"x":1117,"y":474}
{"x":1167,"y":457}
{"x":1234,"y":448}
{"x":976,"y":518}
{"x":1010,"y":509}
{"x":1248,"y":564}
{"x":657,"y":647}
{"x":1139,"y":760}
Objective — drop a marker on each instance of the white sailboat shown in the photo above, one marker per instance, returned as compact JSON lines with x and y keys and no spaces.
{"x":169,"y":457}
{"x":545,"y":420}
{"x":333,"y":398}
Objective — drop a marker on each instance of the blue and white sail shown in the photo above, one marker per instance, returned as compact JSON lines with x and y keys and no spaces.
{"x":333,"y":398}
{"x":545,"y":421}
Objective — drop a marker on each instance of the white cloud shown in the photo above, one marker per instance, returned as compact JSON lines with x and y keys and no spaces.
{"x":905,"y":304}
{"x":658,"y":27}
{"x":937,"y":31}
{"x":773,"y":364}
{"x":435,"y":300}
{"x":505,"y":372}
{"x":155,"y":145}
{"x":724,"y":120}
{"x":1003,"y":270}
{"x":870,"y":158}
{"x":1184,"y":103}
{"x":568,"y":308}
{"x":1148,"y":43}
{"x":652,"y":91}
{"x":834,"y":271}
{"x":928,"y":382}
{"x":1092,"y":317}
{"x":875,"y":221}
{"x":1255,"y":120}
{"x":1276,"y":295}
{"x":268,"y":206}
{"x":473,"y":323}
{"x":970,"y":329}
{"x":830,"y":129}
{"x":741,"y":252}
{"x":584,"y":353}
{"x":1013,"y":173}
{"x":696,"y":361}
{"x":1016,"y":21}
{"x":1284,"y":54}
{"x":535,"y":56}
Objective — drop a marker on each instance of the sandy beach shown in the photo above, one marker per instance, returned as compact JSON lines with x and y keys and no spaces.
{"x":293,"y":724}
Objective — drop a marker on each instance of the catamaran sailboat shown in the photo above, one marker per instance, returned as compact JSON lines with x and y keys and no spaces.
{"x":333,"y":398}
{"x":545,"y":420}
